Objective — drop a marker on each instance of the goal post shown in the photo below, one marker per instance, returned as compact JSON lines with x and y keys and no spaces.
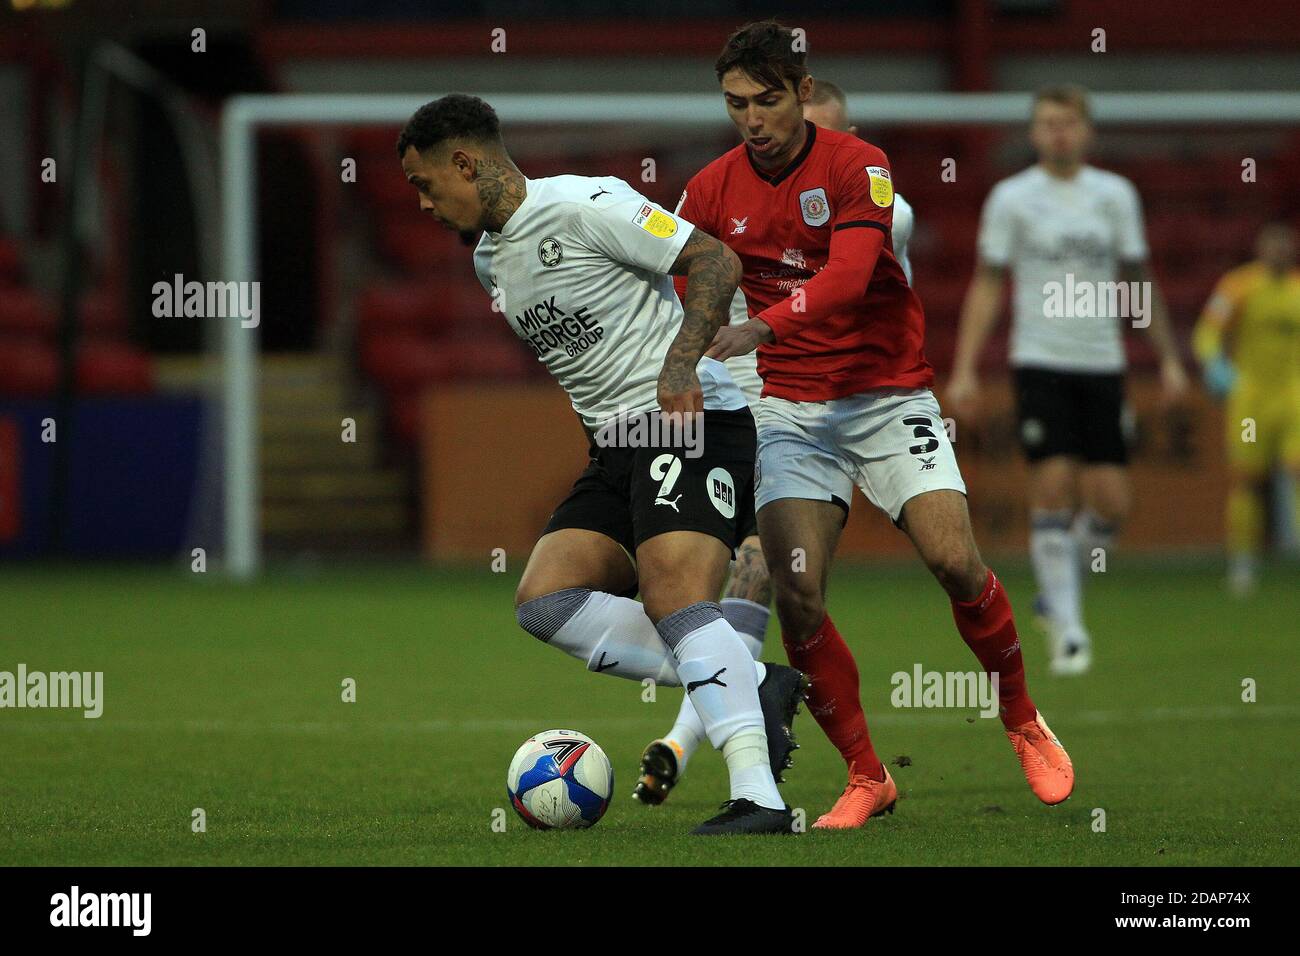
{"x":243,"y":116}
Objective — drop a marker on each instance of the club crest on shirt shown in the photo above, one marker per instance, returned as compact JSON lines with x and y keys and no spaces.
{"x":814,"y":206}
{"x":657,"y":223}
{"x":738,"y":225}
{"x":549,"y":251}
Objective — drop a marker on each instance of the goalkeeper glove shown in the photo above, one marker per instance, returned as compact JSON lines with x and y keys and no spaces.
{"x":1219,"y":375}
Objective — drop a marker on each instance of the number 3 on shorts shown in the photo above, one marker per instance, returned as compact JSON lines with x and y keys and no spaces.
{"x":921,"y":429}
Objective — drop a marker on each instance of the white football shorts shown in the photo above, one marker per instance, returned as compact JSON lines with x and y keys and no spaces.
{"x":890,"y":442}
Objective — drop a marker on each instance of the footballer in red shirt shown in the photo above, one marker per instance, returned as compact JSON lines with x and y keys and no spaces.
{"x":846,"y":400}
{"x":838,"y":327}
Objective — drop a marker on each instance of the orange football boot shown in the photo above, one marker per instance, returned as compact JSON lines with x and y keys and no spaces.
{"x":1046,"y":765}
{"x":861,"y":800}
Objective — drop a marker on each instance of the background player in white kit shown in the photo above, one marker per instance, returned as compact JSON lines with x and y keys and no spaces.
{"x":1062,"y":218}
{"x":748,"y":598}
{"x":580,"y":268}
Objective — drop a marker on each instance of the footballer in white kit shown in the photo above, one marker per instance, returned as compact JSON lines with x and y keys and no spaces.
{"x":581,"y":273}
{"x":580,"y":268}
{"x":1072,"y":237}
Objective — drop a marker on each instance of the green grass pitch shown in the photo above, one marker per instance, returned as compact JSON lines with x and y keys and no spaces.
{"x":228,"y":698}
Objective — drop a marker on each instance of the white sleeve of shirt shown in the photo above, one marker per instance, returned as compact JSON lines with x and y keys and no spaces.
{"x":1132,"y":232}
{"x":902,"y":232}
{"x":627,"y":227}
{"x":997,"y":233}
{"x":739,"y":309}
{"x":481,"y":267}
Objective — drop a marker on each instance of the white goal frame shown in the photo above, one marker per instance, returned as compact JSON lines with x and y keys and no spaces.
{"x":243,"y":116}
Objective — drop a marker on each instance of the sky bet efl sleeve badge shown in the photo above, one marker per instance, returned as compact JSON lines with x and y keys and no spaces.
{"x":882,"y":186}
{"x":816,"y":210}
{"x":656,"y":223}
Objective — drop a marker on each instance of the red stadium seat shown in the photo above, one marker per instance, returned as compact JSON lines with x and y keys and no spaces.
{"x":404,"y":416}
{"x":404,"y":362}
{"x":29,"y":367}
{"x":494,"y":359}
{"x":412,"y":308}
{"x":108,"y":368}
{"x":941,"y":298}
{"x":940,"y":348}
{"x":422,"y":248}
{"x":405,"y":367}
{"x":373,"y":141}
{"x":945,"y":240}
{"x":1186,"y":294}
{"x":382,"y":183}
{"x":102,"y":315}
{"x":11,"y":263}
{"x":26,"y":310}
{"x":32,"y":312}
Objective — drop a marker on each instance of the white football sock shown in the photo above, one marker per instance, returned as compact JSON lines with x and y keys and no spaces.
{"x":610,"y":634}
{"x":1053,"y":553}
{"x":721,"y":679}
{"x":688,"y":730}
{"x":687,"y":733}
{"x":751,"y":770}
{"x":1091,"y":531}
{"x":745,"y":617}
{"x":749,"y":618}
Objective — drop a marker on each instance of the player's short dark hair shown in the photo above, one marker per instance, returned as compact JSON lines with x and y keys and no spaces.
{"x":455,"y":116}
{"x":765,"y":51}
{"x":824,"y":91}
{"x":1065,"y":94}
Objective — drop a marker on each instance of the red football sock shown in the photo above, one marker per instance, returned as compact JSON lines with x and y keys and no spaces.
{"x":989,"y":629}
{"x":833,"y":696}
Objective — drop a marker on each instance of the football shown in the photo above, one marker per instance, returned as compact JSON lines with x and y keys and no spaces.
{"x":560,"y":780}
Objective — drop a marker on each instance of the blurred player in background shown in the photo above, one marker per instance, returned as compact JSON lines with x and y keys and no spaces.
{"x":845,"y":401}
{"x":1066,"y":223}
{"x":749,"y":590}
{"x":1248,"y":343}
{"x":580,"y":267}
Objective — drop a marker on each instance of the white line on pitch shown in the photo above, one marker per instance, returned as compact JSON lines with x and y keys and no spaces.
{"x":526,"y":725}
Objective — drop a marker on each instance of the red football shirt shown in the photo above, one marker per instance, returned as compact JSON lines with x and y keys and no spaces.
{"x":814,"y":240}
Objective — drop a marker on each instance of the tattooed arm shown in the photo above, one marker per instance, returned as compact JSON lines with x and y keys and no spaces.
{"x":749,"y":577}
{"x":713,"y":273}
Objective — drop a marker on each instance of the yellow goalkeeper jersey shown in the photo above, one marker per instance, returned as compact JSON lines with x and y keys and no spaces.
{"x":1260,"y":312}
